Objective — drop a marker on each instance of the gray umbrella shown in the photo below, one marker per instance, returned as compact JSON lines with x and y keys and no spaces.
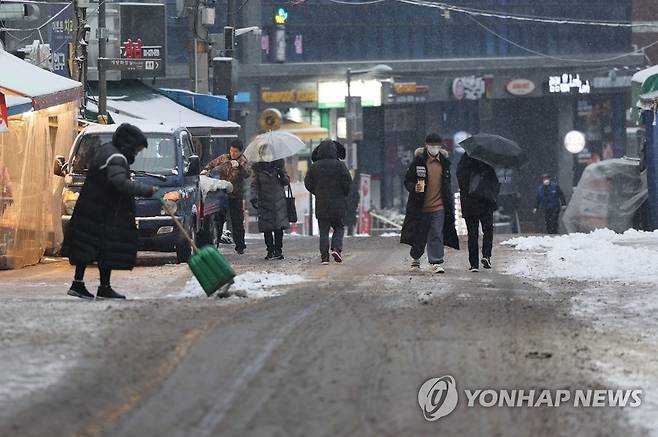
{"x":272,"y":146}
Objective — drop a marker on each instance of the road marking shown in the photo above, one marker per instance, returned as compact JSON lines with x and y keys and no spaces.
{"x":217,"y":413}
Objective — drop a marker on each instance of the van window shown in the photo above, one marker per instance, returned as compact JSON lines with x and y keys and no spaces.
{"x":158,"y":157}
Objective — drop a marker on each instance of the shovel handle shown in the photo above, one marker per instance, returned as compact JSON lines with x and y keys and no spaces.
{"x":179,"y":225}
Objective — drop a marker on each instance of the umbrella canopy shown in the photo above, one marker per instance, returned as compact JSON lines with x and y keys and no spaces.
{"x":494,"y":150}
{"x":644,"y":89}
{"x":272,"y":146}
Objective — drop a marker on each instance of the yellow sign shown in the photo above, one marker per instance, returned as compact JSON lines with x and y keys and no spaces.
{"x":405,"y":88}
{"x":289,"y":96}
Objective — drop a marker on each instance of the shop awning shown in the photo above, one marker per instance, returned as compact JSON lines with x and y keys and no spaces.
{"x":133,"y":101}
{"x":43,"y":88}
{"x":304,"y":131}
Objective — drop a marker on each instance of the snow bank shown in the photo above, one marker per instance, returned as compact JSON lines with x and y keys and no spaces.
{"x":255,"y":284}
{"x":600,"y":255}
{"x":390,"y":234}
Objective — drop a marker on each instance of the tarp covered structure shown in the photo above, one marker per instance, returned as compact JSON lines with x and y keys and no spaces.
{"x":131,"y":100}
{"x":42,"y":108}
{"x":608,"y":195}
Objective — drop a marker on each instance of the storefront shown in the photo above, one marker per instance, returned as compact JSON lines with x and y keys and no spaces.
{"x":41,"y":111}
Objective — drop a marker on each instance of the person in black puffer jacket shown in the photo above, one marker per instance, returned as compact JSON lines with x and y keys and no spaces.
{"x":329,"y":180}
{"x":269,"y":199}
{"x":102,"y":227}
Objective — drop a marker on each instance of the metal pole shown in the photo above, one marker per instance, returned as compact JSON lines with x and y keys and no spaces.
{"x":196,"y":70}
{"x":102,"y":78}
{"x":348,"y":121}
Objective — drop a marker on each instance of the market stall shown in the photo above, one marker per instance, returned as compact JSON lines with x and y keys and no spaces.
{"x":39,"y":121}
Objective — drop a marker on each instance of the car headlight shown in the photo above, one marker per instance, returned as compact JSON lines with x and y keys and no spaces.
{"x":170,"y":203}
{"x":69,"y":200}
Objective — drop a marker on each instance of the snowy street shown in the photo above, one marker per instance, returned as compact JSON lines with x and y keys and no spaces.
{"x":334,"y":350}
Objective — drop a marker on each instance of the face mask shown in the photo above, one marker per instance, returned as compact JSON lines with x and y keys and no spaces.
{"x":547,"y":181}
{"x":433,"y":150}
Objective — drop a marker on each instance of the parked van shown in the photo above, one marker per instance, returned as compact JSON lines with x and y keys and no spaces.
{"x":169,"y":162}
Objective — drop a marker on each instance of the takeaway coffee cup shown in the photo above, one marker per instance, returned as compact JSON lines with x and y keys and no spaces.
{"x":421,"y":173}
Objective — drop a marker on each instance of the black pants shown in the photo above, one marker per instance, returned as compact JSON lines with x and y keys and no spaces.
{"x":337,"y":237}
{"x":552,"y":218}
{"x":105,"y":274}
{"x":236,"y":215}
{"x":473,"y":225}
{"x":274,"y":241}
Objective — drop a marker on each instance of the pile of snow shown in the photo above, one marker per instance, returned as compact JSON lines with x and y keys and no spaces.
{"x":208,"y":184}
{"x":390,"y":234}
{"x":600,"y":255}
{"x":254,"y":284}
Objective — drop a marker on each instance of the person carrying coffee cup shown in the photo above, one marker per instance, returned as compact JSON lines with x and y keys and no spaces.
{"x":430,"y":215}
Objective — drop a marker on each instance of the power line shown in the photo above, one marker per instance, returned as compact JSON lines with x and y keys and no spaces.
{"x":545,"y":55}
{"x":500,"y":15}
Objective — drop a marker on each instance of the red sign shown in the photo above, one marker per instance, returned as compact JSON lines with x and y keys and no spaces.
{"x":520,"y":87}
{"x":4,"y":122}
{"x":365,"y":221}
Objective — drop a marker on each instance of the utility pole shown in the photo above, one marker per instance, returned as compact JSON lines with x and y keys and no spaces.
{"x":102,"y":78}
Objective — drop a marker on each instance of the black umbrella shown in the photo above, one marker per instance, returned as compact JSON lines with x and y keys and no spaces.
{"x":494,"y":150}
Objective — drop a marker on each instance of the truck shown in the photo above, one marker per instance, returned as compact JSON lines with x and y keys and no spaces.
{"x":170,"y":162}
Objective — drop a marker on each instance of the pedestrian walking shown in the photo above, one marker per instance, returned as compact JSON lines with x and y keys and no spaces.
{"x":235,"y":168}
{"x":478,"y":187}
{"x":102,"y":227}
{"x":550,"y":199}
{"x":329,"y":181}
{"x":430,"y":213}
{"x":269,"y":199}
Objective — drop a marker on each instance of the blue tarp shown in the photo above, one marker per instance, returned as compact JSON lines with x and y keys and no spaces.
{"x":212,"y":106}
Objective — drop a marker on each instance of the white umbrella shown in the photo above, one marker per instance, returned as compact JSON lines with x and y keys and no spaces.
{"x":272,"y":146}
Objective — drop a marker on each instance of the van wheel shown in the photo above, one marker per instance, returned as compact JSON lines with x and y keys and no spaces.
{"x":184,"y":249}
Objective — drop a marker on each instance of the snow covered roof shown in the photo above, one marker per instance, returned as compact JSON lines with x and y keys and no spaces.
{"x":45,"y":89}
{"x":18,"y":105}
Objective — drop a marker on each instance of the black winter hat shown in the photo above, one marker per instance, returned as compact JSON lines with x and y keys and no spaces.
{"x":128,"y":136}
{"x":433,"y":139}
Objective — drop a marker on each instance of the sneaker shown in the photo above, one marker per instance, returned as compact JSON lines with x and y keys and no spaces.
{"x":415,"y":265}
{"x":473,"y":270}
{"x":325,"y":260}
{"x":239,"y":251}
{"x":106,"y":292}
{"x":278,"y":255}
{"x":437,"y":268}
{"x":78,"y":289}
{"x":486,"y":263}
{"x":336,"y":255}
{"x":269,"y":256}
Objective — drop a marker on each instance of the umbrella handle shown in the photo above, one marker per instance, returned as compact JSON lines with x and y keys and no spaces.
{"x":179,"y":225}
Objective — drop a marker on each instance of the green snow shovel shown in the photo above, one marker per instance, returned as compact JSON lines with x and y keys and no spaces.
{"x":207,"y":264}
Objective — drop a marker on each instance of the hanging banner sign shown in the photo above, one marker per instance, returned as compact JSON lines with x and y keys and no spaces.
{"x":365,"y":220}
{"x":4,"y":121}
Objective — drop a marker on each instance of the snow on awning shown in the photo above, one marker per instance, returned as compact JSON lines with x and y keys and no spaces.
{"x":139,"y":102}
{"x":18,"y":105}
{"x":43,"y":88}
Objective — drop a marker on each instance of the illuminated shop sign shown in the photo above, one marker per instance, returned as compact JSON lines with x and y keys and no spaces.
{"x":568,"y":83}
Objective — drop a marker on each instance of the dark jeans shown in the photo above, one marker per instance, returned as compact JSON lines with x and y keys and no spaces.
{"x":236,"y":215}
{"x":336,"y":239}
{"x":472,"y":226}
{"x":274,"y":241}
{"x":552,"y":217}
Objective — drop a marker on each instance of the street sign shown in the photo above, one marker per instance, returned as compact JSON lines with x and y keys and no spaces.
{"x":146,"y":66}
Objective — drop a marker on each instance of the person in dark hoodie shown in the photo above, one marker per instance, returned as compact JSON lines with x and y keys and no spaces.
{"x":430,"y":215}
{"x":329,"y":181}
{"x":102,"y":227}
{"x":478,"y":187}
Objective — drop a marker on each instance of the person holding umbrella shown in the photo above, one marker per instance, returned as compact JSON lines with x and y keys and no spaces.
{"x":268,"y":197}
{"x":430,"y":215}
{"x":478,"y":187}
